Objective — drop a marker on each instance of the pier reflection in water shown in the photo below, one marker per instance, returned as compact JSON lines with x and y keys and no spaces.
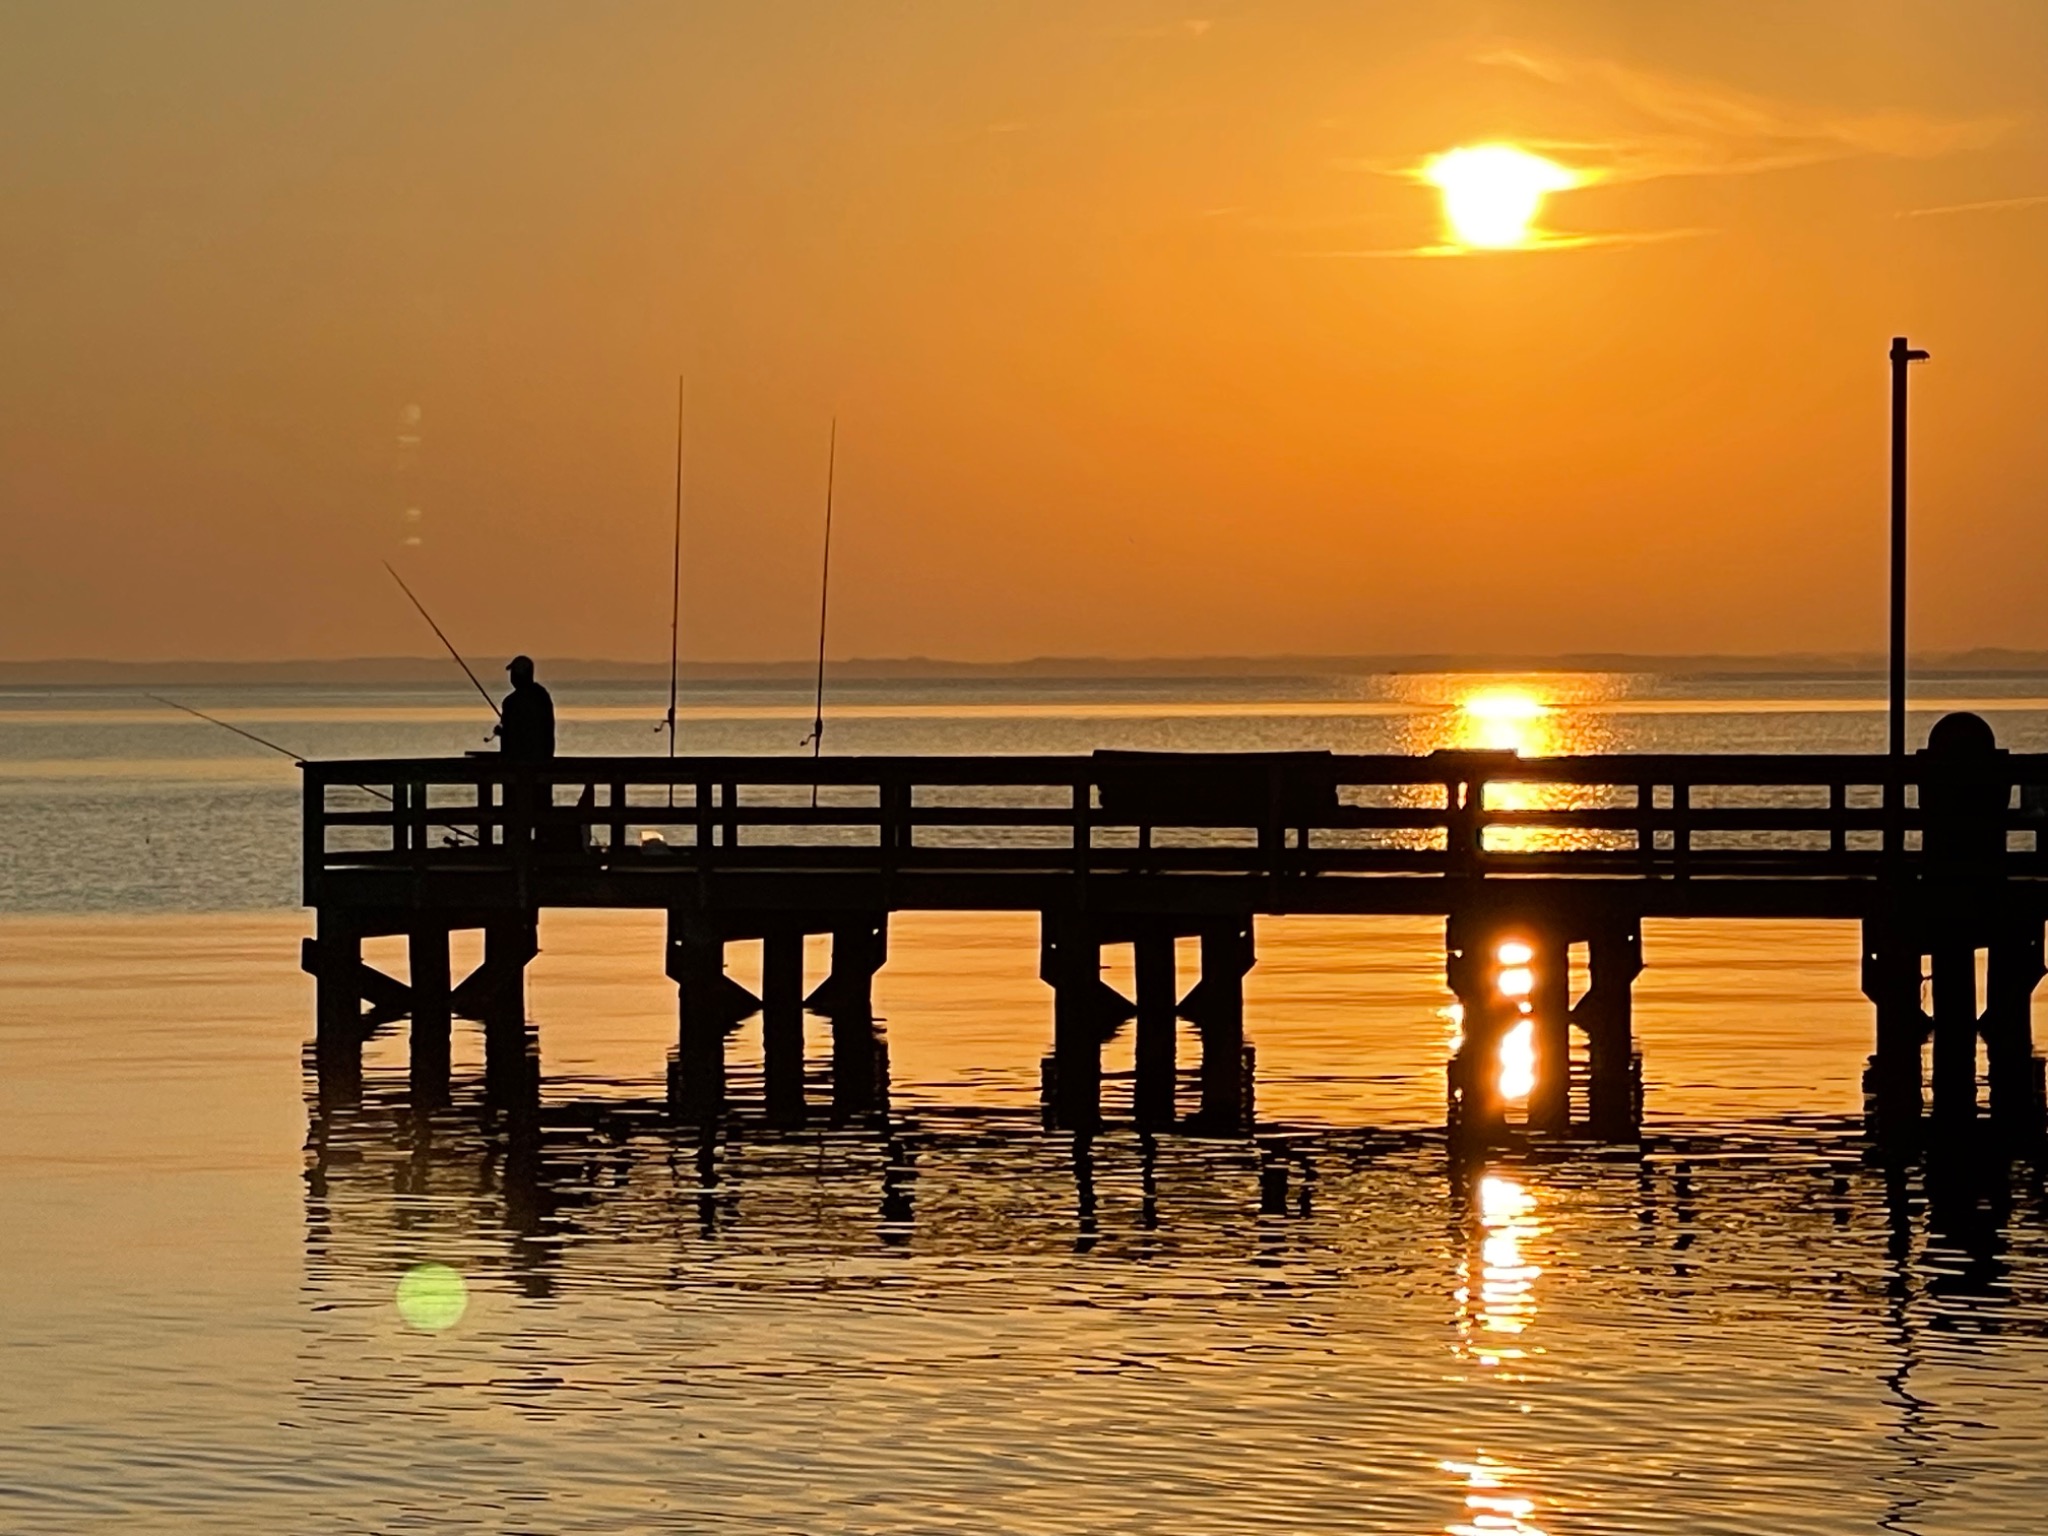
{"x":890,"y":1323}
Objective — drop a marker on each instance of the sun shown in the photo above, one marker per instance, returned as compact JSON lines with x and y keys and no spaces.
{"x":1493,"y":192}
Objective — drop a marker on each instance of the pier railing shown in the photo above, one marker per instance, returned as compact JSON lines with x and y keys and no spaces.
{"x":1476,"y":814}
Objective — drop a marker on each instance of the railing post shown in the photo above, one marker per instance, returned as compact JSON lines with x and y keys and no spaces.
{"x":1681,"y":828}
{"x":421,"y":834}
{"x":892,"y":795}
{"x":619,"y":817}
{"x":1084,"y":821}
{"x":1838,"y":819}
{"x":1461,"y":824}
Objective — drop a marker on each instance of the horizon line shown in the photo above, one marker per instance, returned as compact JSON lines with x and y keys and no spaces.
{"x":87,"y":670}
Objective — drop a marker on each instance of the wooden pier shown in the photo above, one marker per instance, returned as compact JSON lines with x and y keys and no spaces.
{"x":1937,"y":855}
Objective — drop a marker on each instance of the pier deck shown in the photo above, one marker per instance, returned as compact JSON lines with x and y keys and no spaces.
{"x":1938,"y":858}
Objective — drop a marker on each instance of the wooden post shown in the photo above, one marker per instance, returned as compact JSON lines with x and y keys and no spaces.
{"x":1895,"y":1088}
{"x":1217,"y":1008}
{"x":431,"y":1022}
{"x":860,"y":1056}
{"x":1070,"y":961}
{"x":2013,"y":971}
{"x":1158,"y":992}
{"x":1476,"y":1115}
{"x":1550,"y":1104}
{"x":337,"y":956}
{"x":1955,"y":1033}
{"x":510,"y":1064}
{"x":1614,"y":960}
{"x":696,"y":963}
{"x":782,"y":1024}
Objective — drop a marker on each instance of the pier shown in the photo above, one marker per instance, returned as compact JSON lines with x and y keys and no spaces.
{"x":1543,"y":870}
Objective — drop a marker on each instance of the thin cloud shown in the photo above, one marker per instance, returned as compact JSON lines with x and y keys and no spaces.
{"x":1550,"y":241}
{"x":1196,"y":27}
{"x":1989,"y":205}
{"x":1703,"y":128}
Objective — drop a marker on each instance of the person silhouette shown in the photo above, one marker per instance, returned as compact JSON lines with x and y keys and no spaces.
{"x":526,"y":727}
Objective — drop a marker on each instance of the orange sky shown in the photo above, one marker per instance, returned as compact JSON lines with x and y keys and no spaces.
{"x":1119,"y":307}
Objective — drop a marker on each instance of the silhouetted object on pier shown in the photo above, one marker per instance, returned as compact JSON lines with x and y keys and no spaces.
{"x":1961,"y":904}
{"x":526,"y":730}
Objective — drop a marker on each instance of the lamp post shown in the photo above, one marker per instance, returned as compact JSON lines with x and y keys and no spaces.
{"x":1903,"y":357}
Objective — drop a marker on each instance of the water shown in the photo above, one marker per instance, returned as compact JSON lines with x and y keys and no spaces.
{"x":956,"y":1323}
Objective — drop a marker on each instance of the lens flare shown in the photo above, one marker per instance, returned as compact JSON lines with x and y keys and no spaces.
{"x":1493,"y":192}
{"x":432,"y":1298}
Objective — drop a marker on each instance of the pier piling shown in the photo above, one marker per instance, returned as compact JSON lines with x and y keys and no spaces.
{"x":1614,"y":956}
{"x":1157,"y":987}
{"x":511,"y":1060}
{"x":1550,"y":1104}
{"x":429,"y":1034}
{"x":1476,"y":1112}
{"x":2013,"y":970}
{"x":705,"y":1016}
{"x":860,"y":1054}
{"x":1954,"y":988}
{"x":1070,"y":962}
{"x":782,"y":1024}
{"x":1895,"y":1081}
{"x":1216,"y":1008}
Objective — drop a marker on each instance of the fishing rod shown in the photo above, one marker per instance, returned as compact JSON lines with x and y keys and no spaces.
{"x":262,"y":741}
{"x":675,"y":580}
{"x":816,"y":740}
{"x":246,"y":735}
{"x":481,"y":690}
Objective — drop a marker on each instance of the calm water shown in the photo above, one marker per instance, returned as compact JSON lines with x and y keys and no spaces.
{"x":955,"y":1322}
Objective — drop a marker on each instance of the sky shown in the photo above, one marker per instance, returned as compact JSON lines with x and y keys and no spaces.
{"x":1139,"y":322}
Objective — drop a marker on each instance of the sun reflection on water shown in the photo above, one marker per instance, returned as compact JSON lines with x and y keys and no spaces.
{"x":1496,"y":1300}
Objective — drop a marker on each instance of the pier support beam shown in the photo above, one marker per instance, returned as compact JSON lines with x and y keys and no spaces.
{"x":1158,"y":993}
{"x":1215,"y":1007}
{"x":2013,"y":970}
{"x":1070,"y":961}
{"x":1954,"y":972}
{"x":1550,"y":997}
{"x":432,"y":1019}
{"x":511,"y":1060}
{"x":709,"y":1005}
{"x":860,"y":1056}
{"x":1894,"y":1085}
{"x":782,"y":1024}
{"x":1606,"y":1013}
{"x":337,"y":959}
{"x":1476,"y":1113}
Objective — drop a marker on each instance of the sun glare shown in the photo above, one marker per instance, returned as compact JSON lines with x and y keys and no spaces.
{"x":1504,"y":704}
{"x":1493,"y":192}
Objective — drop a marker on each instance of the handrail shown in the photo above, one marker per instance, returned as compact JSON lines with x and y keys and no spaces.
{"x":1276,"y":815}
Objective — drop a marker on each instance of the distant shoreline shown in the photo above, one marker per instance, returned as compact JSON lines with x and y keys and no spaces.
{"x":91,"y":672}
